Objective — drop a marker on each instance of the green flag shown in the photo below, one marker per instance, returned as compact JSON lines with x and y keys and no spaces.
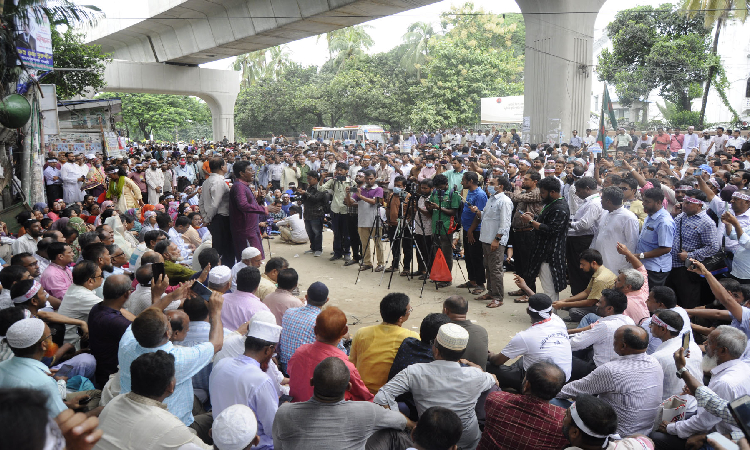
{"x":606,"y":109}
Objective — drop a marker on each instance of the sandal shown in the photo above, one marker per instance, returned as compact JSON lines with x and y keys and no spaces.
{"x":495,"y":303}
{"x":443,"y":284}
{"x":517,"y":293}
{"x":486,"y":296}
{"x":405,"y":273}
{"x":524,"y":299}
{"x":478,"y":290}
{"x":465,"y":285}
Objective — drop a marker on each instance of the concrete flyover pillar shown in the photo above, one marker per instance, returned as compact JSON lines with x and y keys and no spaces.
{"x":218,"y":88}
{"x":558,"y":67}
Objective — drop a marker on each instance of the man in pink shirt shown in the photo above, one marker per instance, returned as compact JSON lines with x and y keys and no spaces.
{"x":241,"y":305}
{"x":330,"y":327}
{"x":634,"y":284}
{"x":57,"y":277}
{"x":282,"y":298}
{"x":676,"y":142}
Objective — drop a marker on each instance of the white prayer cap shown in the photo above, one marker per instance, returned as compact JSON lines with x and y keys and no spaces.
{"x":453,"y":337}
{"x":533,"y":155}
{"x":220,"y":275}
{"x":250,"y":252}
{"x":235,"y":428}
{"x":90,"y":156}
{"x":263,"y":316}
{"x":153,"y":161}
{"x":266,"y":331}
{"x":25,"y":333}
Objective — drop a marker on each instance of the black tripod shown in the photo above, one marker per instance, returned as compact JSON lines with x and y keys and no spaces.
{"x":398,"y":236}
{"x":376,"y":226}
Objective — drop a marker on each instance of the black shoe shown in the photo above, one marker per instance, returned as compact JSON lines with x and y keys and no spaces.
{"x":335,"y":257}
{"x":351,"y":262}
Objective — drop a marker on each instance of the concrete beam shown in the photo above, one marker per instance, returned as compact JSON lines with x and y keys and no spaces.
{"x":201,"y":31}
{"x":218,"y":88}
{"x":558,"y":66}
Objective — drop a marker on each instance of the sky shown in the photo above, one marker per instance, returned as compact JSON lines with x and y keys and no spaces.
{"x":387,"y":31}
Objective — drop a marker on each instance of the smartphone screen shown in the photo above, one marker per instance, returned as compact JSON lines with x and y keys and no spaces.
{"x":158,"y":270}
{"x":686,"y":340}
{"x":64,"y":371}
{"x":201,"y":290}
{"x":740,"y":409}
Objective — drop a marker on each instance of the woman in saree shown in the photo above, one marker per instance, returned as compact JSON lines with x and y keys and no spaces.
{"x":122,"y":190}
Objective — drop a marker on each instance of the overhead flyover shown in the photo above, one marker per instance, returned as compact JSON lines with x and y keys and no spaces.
{"x":192,"y":32}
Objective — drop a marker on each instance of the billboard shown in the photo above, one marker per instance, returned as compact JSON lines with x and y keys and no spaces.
{"x":34,"y":41}
{"x":502,"y":109}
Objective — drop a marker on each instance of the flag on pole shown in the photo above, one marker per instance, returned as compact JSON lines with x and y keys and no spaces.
{"x":606,"y":108}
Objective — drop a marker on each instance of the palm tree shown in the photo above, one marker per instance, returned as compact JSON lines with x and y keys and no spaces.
{"x":717,"y":12}
{"x":416,"y":38}
{"x":259,"y":64}
{"x":349,"y":42}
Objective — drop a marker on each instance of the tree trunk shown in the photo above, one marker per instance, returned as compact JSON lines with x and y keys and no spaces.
{"x":711,"y":73}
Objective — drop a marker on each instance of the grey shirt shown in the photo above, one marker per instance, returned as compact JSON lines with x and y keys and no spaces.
{"x":441,"y":383}
{"x":351,"y":423}
{"x":476,"y":349}
{"x":214,"y":198}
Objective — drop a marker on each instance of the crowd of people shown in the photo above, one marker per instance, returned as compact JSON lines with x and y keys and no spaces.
{"x":139,"y":310}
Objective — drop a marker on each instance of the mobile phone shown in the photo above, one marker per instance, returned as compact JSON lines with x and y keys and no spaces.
{"x":686,"y":340}
{"x":722,"y":441}
{"x":64,"y":371}
{"x":618,"y":162}
{"x":201,"y":290}
{"x":740,"y":409}
{"x":85,"y":400}
{"x":689,"y":264}
{"x":697,"y":172}
{"x":158,"y":270}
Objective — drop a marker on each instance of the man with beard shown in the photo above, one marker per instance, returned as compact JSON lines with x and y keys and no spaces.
{"x":522,"y":234}
{"x":550,"y":231}
{"x":155,"y":182}
{"x":72,"y":176}
{"x":730,"y":379}
{"x":601,"y":278}
{"x":80,"y":297}
{"x":139,"y":178}
{"x":655,"y":241}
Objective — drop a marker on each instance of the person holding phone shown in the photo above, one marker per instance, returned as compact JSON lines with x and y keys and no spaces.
{"x":667,"y":325}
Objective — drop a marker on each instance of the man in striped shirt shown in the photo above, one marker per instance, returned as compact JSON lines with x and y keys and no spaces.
{"x":631,"y":384}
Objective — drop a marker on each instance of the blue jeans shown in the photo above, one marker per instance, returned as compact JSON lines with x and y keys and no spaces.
{"x":588,"y":319}
{"x":340,"y":228}
{"x":314,"y":228}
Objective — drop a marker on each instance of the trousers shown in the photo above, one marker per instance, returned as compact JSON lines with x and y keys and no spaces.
{"x":340,"y":228}
{"x":574,"y":245}
{"x":493,"y":266}
{"x":548,"y":283}
{"x":366,"y":234}
{"x":221,"y":233}
{"x":474,"y":256}
{"x":314,"y":228}
{"x":354,"y":241}
{"x":523,"y":246}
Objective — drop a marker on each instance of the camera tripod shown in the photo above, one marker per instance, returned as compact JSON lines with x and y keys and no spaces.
{"x":375,"y":227}
{"x":398,"y":236}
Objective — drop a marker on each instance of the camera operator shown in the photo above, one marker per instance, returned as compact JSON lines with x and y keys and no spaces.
{"x":396,"y":207}
{"x":312,"y":201}
{"x":369,"y":199}
{"x":339,"y":212}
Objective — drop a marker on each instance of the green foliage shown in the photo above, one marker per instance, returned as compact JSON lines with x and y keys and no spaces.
{"x":165,"y":116}
{"x":431,"y":80}
{"x":656,"y":48}
{"x":674,"y":116}
{"x":70,"y":52}
{"x":270,"y":62}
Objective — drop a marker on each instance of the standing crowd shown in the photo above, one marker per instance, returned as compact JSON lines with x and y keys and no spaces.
{"x":138,"y":308}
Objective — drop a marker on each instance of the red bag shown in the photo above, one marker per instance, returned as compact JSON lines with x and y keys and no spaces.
{"x":440,"y":270}
{"x":102,"y":197}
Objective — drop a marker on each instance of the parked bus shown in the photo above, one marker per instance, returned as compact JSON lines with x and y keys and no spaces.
{"x":350,"y":134}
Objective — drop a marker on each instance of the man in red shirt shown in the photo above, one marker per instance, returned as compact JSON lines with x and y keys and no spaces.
{"x":527,"y":421}
{"x":330,"y":327}
{"x":661,"y":140}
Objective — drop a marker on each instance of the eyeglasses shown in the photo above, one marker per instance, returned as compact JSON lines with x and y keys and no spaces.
{"x":52,"y":332}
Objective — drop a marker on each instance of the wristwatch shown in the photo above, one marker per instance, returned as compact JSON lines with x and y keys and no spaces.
{"x":641,"y":255}
{"x":498,"y":238}
{"x":681,"y":371}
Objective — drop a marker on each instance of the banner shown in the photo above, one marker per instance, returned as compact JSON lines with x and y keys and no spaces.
{"x":502,"y":109}
{"x":34,"y":42}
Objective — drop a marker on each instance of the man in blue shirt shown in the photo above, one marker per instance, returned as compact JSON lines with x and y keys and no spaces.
{"x":655,"y":242}
{"x":472,"y":225}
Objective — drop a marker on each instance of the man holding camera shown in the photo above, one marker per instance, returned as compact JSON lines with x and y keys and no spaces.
{"x":369,"y":199}
{"x":399,"y":233}
{"x":339,"y":216}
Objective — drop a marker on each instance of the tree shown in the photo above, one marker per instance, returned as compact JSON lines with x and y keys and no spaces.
{"x":656,"y":48}
{"x":349,"y":42}
{"x":161,"y":115}
{"x":716,"y":12}
{"x":473,"y":59}
{"x":71,"y":53}
{"x":416,"y":51}
{"x":270,"y":62}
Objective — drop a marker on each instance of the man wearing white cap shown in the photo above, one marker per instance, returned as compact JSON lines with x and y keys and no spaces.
{"x":251,"y":257}
{"x":443,"y":382}
{"x":30,"y":339}
{"x":155,"y":182}
{"x":236,"y":428}
{"x":243,"y":380}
